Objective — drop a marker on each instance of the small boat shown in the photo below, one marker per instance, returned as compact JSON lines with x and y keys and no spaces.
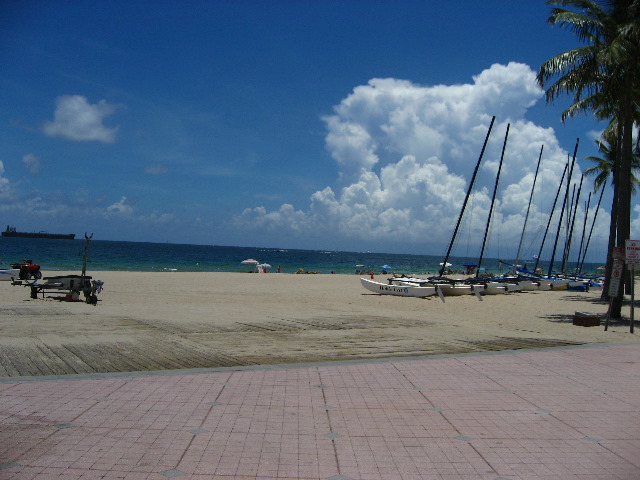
{"x":8,"y":274}
{"x":403,"y":289}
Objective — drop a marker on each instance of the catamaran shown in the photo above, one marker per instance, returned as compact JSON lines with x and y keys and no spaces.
{"x":400,"y":288}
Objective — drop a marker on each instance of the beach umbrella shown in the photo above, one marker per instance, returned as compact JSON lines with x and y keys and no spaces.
{"x":386,"y":267}
{"x":445,"y":264}
{"x":251,"y":261}
{"x":264,"y":265}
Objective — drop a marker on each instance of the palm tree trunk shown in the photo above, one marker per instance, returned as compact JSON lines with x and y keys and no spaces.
{"x":613,"y":227}
{"x":624,"y":189}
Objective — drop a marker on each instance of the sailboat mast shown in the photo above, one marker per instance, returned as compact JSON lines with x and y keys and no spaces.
{"x":555,"y":201}
{"x":595,"y":215}
{"x":564,"y":204}
{"x":466,"y":198}
{"x":565,"y":260}
{"x":584,"y":230}
{"x":526,"y":217}
{"x":493,"y":198}
{"x":566,"y":236}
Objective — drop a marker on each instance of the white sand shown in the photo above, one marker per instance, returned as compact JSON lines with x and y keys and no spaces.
{"x":272,"y":318}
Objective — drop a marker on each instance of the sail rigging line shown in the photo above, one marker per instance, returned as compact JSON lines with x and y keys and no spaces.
{"x":468,"y":224}
{"x":493,"y":198}
{"x":565,"y":260}
{"x":564,"y":204}
{"x":526,"y":218}
{"x":532,"y":244}
{"x":584,"y":229}
{"x":466,"y":198}
{"x":553,"y":207}
{"x":595,"y":215}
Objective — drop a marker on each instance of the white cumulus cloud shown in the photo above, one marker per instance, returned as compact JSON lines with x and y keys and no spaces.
{"x":156,"y":169}
{"x":406,"y":153}
{"x":6,"y":191}
{"x":78,"y":120}
{"x":31,"y":163}
{"x":121,"y":207}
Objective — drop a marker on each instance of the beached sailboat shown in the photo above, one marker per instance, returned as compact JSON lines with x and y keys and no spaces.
{"x":454,"y":288}
{"x":400,"y":288}
{"x":441,"y":285}
{"x":492,"y":287}
{"x":524,"y":283}
{"x":477,"y":285}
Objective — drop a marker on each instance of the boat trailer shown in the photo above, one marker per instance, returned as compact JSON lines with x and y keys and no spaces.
{"x":73,"y":285}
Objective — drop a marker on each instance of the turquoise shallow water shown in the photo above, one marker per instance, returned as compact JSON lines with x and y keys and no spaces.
{"x":158,"y":257}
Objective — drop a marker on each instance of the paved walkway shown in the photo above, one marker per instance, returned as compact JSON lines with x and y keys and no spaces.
{"x":548,"y":414}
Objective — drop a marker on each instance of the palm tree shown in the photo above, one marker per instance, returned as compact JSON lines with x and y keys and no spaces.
{"x":604,"y":170}
{"x":604,"y":77}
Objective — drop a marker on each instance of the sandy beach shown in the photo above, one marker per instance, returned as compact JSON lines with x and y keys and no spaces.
{"x":159,"y":321}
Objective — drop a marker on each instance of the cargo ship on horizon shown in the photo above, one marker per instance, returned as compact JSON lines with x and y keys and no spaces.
{"x":11,"y":232}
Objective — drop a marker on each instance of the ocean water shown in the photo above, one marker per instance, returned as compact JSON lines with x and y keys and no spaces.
{"x":168,"y":257}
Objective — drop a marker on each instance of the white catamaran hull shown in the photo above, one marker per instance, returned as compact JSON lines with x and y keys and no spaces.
{"x":454,"y":290}
{"x":494,"y":288}
{"x":513,"y":287}
{"x":398,"y":290}
{"x":529,"y":285}
{"x":545,"y":284}
{"x":558,"y":284}
{"x":7,"y":273}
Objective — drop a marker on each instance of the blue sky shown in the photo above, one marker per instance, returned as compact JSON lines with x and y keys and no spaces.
{"x":350,"y":125}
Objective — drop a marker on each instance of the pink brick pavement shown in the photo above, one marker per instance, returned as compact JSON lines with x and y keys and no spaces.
{"x":566,"y":413}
